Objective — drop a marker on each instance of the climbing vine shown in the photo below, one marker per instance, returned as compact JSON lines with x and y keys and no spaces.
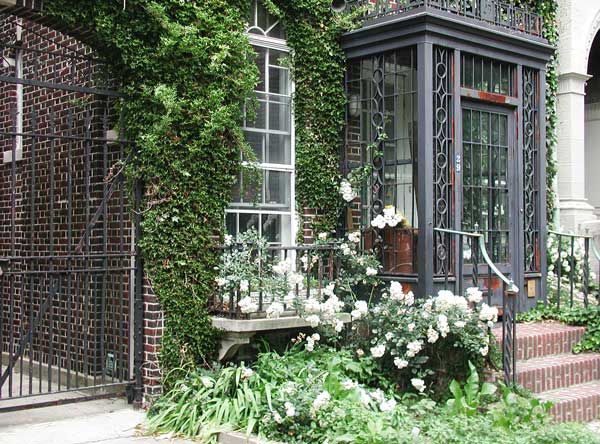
{"x":318,"y":64}
{"x":185,"y":69}
{"x":548,"y":9}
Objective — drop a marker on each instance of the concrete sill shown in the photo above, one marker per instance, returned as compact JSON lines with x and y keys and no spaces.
{"x":238,"y":332}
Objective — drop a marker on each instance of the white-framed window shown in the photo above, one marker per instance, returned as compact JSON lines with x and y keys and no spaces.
{"x":271,"y":208}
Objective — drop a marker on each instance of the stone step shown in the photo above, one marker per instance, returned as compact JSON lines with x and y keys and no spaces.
{"x":544,"y":339}
{"x":558,"y":371}
{"x":575,"y":403}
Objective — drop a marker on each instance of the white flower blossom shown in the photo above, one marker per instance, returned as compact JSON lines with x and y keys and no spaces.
{"x":360,"y":353}
{"x":311,"y":305}
{"x":349,"y":384}
{"x":418,"y":384}
{"x":277,"y":418}
{"x":282,"y":267}
{"x":371,"y":271}
{"x":207,"y":382}
{"x":290,"y":410}
{"x":244,"y":285}
{"x":247,"y":373}
{"x":365,"y":398}
{"x":247,"y":305}
{"x":274,"y":310}
{"x":290,"y":298}
{"x":378,"y":222}
{"x":354,"y":237}
{"x":415,"y":432}
{"x":378,"y":351}
{"x":400,"y":363}
{"x":221,"y":282}
{"x":484,"y":350}
{"x":409,"y":299}
{"x":228,"y":240}
{"x":460,"y":324}
{"x":388,"y":406}
{"x":442,"y":325}
{"x":396,"y":292}
{"x":488,"y":313}
{"x":413,"y":348}
{"x":322,"y":236}
{"x":378,"y":395}
{"x":474,"y":295}
{"x":347,"y":192}
{"x":432,"y":335}
{"x":389,"y":335}
{"x":321,"y":400}
{"x":411,"y":327}
{"x":339,"y":326}
{"x":313,"y":320}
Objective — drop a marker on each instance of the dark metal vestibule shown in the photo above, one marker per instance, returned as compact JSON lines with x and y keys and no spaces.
{"x":446,"y":103}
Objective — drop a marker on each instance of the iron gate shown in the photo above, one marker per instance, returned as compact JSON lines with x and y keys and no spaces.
{"x":67,"y":238}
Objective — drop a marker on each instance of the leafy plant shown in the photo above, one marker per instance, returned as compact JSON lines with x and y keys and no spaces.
{"x":468,"y":399}
{"x":516,"y":410}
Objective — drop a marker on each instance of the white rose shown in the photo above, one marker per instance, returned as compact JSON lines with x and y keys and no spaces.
{"x":418,"y":384}
{"x":388,"y":406}
{"x":378,"y":351}
{"x":290,"y":410}
{"x":400,"y":363}
{"x":371,"y":271}
{"x":244,"y":285}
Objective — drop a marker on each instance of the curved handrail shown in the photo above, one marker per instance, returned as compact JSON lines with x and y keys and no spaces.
{"x":511,"y":284}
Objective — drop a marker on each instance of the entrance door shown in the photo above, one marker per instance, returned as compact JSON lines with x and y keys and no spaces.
{"x":489,"y":185}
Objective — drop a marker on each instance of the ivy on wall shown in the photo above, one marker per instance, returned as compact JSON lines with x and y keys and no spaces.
{"x":318,"y":65}
{"x":548,"y":9}
{"x":186,"y":68}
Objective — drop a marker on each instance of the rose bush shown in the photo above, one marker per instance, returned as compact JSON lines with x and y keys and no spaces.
{"x":424,"y":343}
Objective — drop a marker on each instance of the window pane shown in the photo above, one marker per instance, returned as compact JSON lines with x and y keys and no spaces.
{"x":279,"y":150}
{"x":256,"y":141}
{"x":279,"y":81}
{"x":279,"y":114}
{"x":248,"y":221}
{"x":231,"y":223}
{"x":277,"y":189}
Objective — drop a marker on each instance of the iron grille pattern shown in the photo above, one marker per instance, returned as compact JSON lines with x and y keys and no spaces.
{"x":381,"y":133}
{"x":530,"y":169}
{"x":499,"y":13}
{"x":66,"y":242}
{"x":442,"y":155}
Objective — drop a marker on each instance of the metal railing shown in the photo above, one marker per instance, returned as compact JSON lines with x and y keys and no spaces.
{"x":572,"y":268}
{"x":472,"y":249}
{"x":503,"y":14}
{"x":313,"y":266}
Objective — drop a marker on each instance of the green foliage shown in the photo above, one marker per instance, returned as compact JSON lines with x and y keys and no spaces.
{"x":283,"y":399}
{"x":185,"y":69}
{"x":318,"y":66}
{"x":514,"y":410}
{"x":467,"y":400}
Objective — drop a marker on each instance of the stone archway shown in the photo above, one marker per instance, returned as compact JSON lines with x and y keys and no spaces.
{"x":592,"y":137}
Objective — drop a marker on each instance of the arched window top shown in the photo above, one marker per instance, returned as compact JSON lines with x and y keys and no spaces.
{"x":262,"y":23}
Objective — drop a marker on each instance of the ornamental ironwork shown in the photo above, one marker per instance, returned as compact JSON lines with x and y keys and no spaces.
{"x":499,"y":13}
{"x":442,"y":155}
{"x":530,"y":170}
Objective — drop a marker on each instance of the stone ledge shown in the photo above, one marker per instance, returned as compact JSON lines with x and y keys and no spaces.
{"x":238,"y":332}
{"x":241,"y":438}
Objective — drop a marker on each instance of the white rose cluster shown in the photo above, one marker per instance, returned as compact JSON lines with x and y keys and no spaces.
{"x":347,"y":192}
{"x":389,"y":218}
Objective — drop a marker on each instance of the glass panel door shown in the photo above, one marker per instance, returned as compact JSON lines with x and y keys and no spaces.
{"x":487,"y":189}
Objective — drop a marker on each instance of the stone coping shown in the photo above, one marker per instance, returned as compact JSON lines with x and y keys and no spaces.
{"x":241,"y":438}
{"x":264,"y":324}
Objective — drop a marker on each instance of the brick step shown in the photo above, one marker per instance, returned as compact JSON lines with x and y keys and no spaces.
{"x":576,"y":403}
{"x":543,"y":339}
{"x":558,"y":371}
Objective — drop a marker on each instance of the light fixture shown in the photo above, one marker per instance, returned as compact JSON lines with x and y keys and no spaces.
{"x":354,"y":106}
{"x":338,"y":5}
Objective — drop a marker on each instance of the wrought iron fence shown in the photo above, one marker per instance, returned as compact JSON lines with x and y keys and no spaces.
{"x":499,"y":13}
{"x":313,"y":267}
{"x":472,"y":250}
{"x":570,"y":269}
